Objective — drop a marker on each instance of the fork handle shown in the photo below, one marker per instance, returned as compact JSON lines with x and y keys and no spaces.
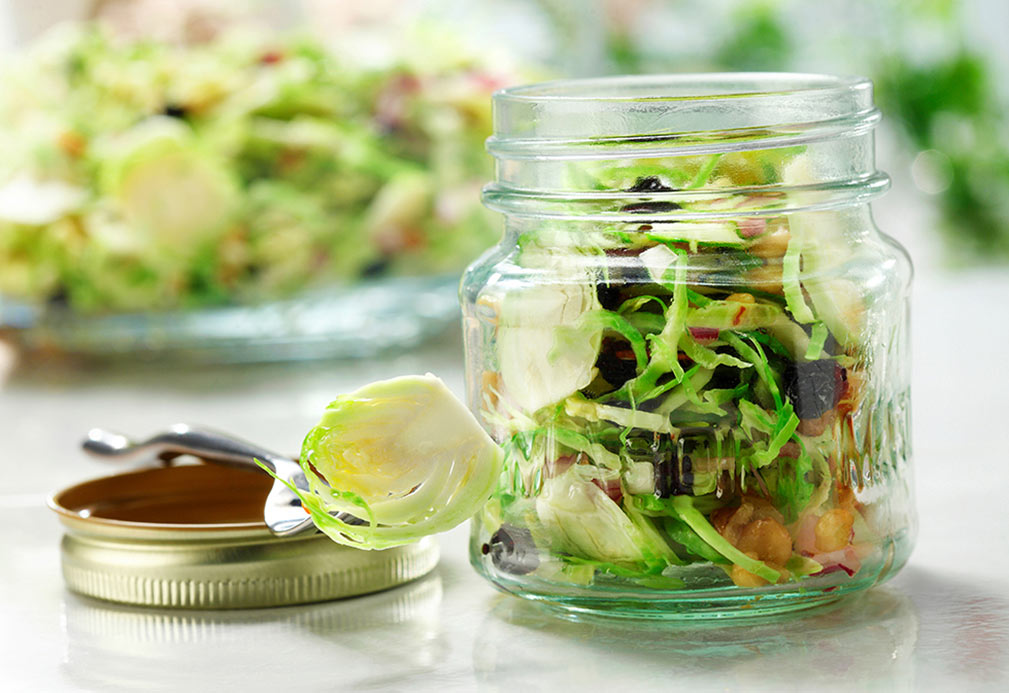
{"x":181,"y":439}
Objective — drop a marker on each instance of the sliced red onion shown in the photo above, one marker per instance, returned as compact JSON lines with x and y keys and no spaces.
{"x":560,"y":465}
{"x":845,"y":559}
{"x":610,"y":488}
{"x":751,"y":227}
{"x":805,"y":535}
{"x":836,"y":568}
{"x":704,"y":334}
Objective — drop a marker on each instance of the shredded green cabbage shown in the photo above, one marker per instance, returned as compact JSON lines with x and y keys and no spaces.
{"x":683,"y":506}
{"x":790,"y":283}
{"x":698,"y":396}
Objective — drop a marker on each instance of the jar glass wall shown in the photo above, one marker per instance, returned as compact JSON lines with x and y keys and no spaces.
{"x":692,"y":344}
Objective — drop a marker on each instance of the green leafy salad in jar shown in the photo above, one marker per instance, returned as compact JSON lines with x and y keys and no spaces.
{"x":683,"y":402}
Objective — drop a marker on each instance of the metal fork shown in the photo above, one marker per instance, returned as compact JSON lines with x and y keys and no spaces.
{"x":282,"y":511}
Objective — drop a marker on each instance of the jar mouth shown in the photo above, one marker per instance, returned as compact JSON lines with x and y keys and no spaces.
{"x":651,"y":115}
{"x":683,"y":87}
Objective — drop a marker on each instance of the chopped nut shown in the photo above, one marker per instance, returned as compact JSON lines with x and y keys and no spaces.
{"x":744,"y":578}
{"x":762,"y":508}
{"x":770,"y":245}
{"x":767,"y":539}
{"x":833,"y":530}
{"x":720,"y":518}
{"x":729,"y":522}
{"x":766,"y":278}
{"x":733,"y":525}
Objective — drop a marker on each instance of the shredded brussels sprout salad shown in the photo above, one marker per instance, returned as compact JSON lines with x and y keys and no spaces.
{"x":677,"y":399}
{"x":403,"y":455}
{"x":140,"y":174}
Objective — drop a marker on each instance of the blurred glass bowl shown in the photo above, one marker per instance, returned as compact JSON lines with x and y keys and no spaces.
{"x":250,"y":195}
{"x":340,"y":322}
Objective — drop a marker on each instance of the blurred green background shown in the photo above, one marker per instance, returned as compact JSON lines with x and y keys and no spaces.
{"x":940,"y":68}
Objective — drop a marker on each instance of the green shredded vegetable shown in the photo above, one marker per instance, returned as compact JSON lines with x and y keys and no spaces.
{"x":687,"y":410}
{"x":684,"y":508}
{"x":816,"y":341}
{"x":790,"y":283}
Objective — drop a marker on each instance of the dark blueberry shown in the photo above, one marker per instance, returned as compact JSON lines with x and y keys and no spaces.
{"x":174,"y":111}
{"x":609,"y":296}
{"x":813,"y":387}
{"x":648,"y":184}
{"x":673,"y":467}
{"x":624,"y":274}
{"x":376,"y":268}
{"x":644,"y":207}
{"x":723,"y":378}
{"x":616,"y":371}
{"x":512,"y":550}
{"x":616,"y":361}
{"x":649,"y":405}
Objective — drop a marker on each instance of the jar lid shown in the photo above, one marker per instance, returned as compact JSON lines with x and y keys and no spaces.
{"x":193,"y":537}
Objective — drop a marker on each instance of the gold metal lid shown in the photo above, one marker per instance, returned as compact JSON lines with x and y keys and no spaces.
{"x":193,"y":537}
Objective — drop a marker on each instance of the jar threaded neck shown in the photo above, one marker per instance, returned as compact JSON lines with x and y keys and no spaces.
{"x":559,"y":144}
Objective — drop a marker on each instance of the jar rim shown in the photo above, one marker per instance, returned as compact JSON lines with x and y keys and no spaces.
{"x":678,"y":87}
{"x":644,"y":114}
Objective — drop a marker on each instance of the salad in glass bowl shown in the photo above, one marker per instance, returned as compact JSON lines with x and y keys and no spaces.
{"x":235,"y":193}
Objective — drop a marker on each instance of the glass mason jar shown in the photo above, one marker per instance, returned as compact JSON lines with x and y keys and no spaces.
{"x":692,"y":343}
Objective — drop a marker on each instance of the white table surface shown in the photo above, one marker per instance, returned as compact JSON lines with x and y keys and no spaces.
{"x":941,"y":624}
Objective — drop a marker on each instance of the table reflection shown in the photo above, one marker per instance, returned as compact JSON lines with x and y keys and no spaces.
{"x":128,"y":648}
{"x":866,"y":640}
